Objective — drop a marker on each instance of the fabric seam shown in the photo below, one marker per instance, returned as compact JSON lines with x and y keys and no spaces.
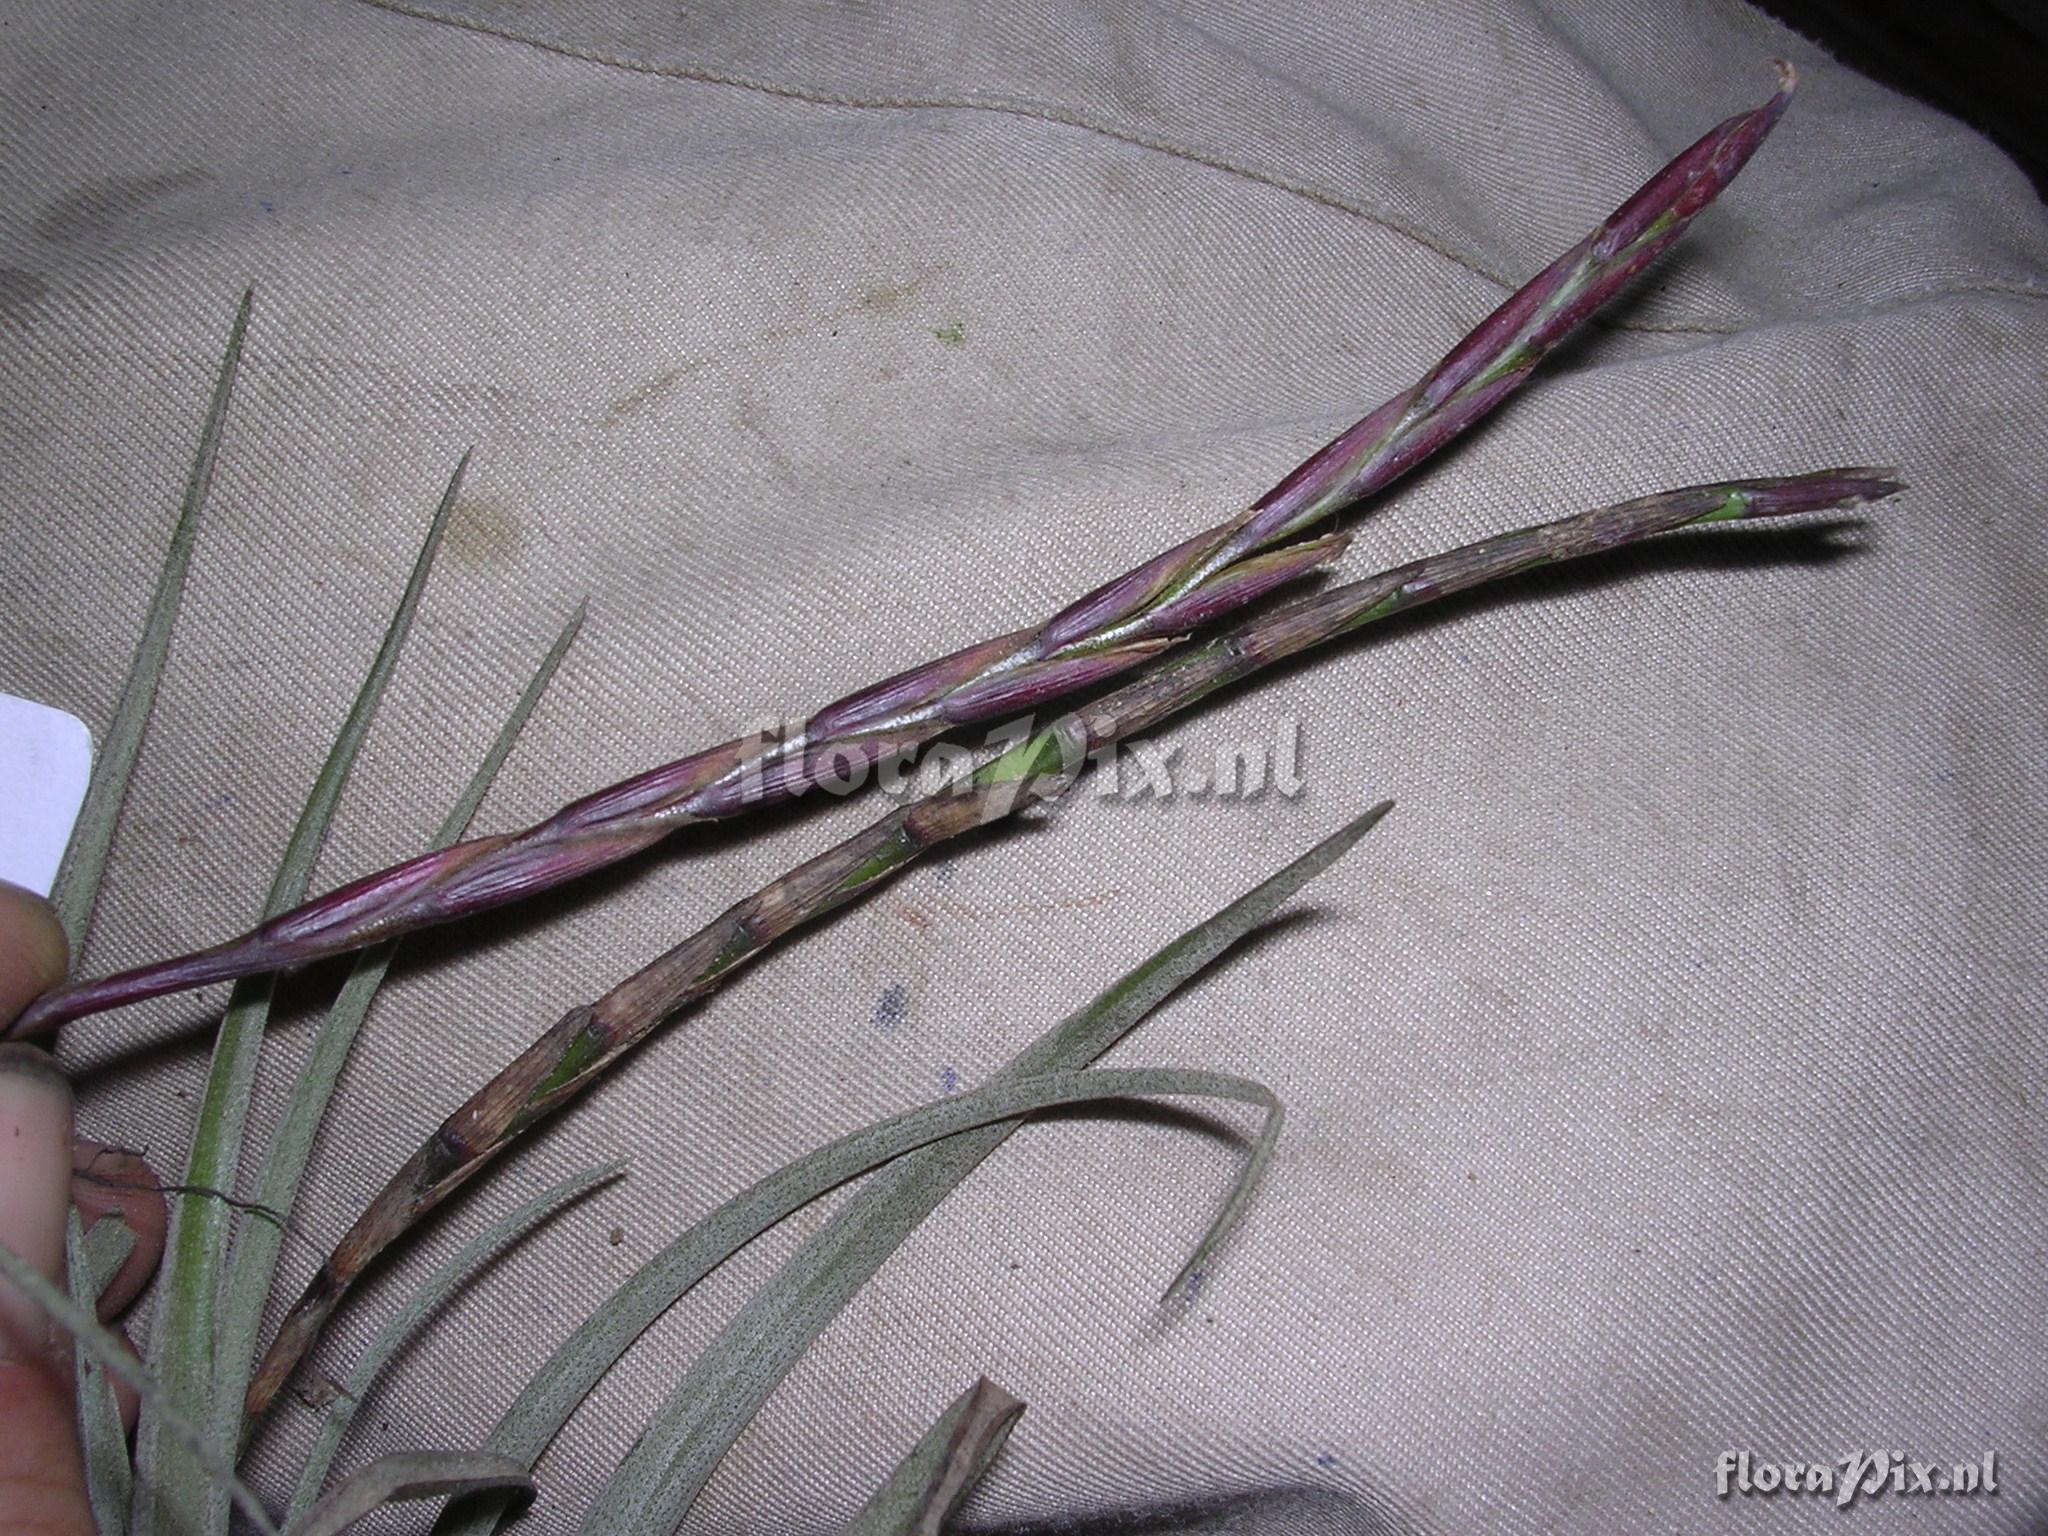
{"x":1037,"y":111}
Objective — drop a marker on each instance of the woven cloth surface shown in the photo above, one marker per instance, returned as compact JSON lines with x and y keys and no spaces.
{"x":1665,"y":1077}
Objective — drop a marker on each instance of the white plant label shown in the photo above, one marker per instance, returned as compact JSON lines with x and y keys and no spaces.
{"x":45,"y":760}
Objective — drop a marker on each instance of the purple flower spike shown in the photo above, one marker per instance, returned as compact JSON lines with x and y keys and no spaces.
{"x":1246,"y":582}
{"x":1198,"y":581}
{"x":1040,"y":682}
{"x":1494,"y":360}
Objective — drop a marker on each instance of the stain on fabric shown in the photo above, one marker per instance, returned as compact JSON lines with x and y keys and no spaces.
{"x":951,"y":334}
{"x":751,"y":417}
{"x":1118,"y":184}
{"x":1126,"y":28}
{"x":892,"y":1007}
{"x":484,"y":532}
{"x":20,"y":292}
{"x":637,"y":399}
{"x":99,"y":206}
{"x":1082,"y":901}
{"x":884,"y":297}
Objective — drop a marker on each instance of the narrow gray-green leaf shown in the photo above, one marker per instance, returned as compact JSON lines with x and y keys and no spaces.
{"x":113,"y":1357}
{"x":410,"y":1475}
{"x":757,"y":1349}
{"x":929,"y":1484}
{"x":570,"y":1373}
{"x":91,"y":1259}
{"x":85,"y":860}
{"x":258,"y":1244}
{"x":434,"y":1290}
{"x":172,"y":1496}
{"x":654,"y":1486}
{"x":102,"y":1250}
{"x":870,"y":1226}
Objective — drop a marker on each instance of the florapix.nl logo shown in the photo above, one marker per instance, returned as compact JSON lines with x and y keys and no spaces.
{"x":779,"y":761}
{"x":1859,"y":1475}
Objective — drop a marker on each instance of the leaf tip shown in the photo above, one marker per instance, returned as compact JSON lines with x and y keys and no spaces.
{"x":1366,"y":820}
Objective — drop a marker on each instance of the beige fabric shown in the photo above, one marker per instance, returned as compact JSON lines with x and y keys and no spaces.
{"x":1666,"y":1076}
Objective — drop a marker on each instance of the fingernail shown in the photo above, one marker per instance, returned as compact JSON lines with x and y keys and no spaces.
{"x":35,"y":1186}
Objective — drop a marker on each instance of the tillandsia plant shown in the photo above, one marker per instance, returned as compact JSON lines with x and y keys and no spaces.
{"x":187,"y":1480}
{"x":1479,"y":371}
{"x":210,"y":1299}
{"x":1132,"y":654}
{"x":1121,"y":625}
{"x":587,"y":1039}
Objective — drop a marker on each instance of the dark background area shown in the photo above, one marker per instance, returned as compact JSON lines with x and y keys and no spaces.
{"x":1984,"y":61}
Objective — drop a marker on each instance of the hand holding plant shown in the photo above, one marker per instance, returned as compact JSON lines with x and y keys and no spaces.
{"x":43,"y":1173}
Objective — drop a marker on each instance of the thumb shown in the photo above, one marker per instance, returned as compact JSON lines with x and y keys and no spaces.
{"x":42,"y":1482}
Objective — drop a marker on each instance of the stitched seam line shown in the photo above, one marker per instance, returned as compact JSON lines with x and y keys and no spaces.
{"x":1036,"y":111}
{"x":1061,"y":117}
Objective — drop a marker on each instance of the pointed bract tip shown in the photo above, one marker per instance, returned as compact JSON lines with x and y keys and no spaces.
{"x":1331,"y":547}
{"x":1869,"y":482}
